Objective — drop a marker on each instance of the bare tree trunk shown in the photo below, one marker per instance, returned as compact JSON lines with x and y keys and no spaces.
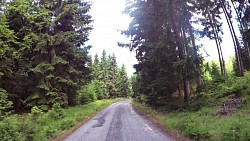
{"x":221,"y":54}
{"x":217,"y":42}
{"x":235,"y":40}
{"x":186,"y":90}
{"x":197,"y":60}
{"x":242,"y":31}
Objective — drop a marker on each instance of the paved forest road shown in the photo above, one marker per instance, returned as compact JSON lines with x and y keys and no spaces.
{"x":118,"y":122}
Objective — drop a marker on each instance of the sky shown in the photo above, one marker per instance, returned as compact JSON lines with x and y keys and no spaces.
{"x":226,"y":45}
{"x":109,"y":20}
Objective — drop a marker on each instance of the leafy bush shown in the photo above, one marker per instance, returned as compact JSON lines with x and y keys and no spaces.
{"x":49,"y":131}
{"x":238,"y":129}
{"x":5,"y":104}
{"x":67,"y":123}
{"x":28,"y":128}
{"x":87,"y":94}
{"x":40,"y":126}
{"x":239,"y":86}
{"x":100,"y":89}
{"x":194,"y":128}
{"x":10,"y":130}
{"x":36,"y":113}
{"x":57,"y":112}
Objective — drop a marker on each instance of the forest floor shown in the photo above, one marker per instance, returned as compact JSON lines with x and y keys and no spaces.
{"x":204,"y":124}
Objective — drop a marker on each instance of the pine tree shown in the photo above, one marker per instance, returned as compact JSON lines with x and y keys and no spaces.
{"x":50,"y":63}
{"x":123,"y":83}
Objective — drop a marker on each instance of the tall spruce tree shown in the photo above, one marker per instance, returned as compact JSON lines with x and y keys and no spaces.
{"x":50,"y":57}
{"x":161,"y":35}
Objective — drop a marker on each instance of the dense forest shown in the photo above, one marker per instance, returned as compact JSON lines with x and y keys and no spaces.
{"x":44,"y":60}
{"x":46,"y":67}
{"x":170,"y":67}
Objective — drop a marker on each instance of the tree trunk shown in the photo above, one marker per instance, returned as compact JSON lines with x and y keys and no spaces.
{"x":197,"y":60}
{"x":221,"y":54}
{"x":177,"y":32}
{"x":217,"y":42}
{"x":235,"y":40}
{"x":186,"y":90}
{"x":241,"y":24}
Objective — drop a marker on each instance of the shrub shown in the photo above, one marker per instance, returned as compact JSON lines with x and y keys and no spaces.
{"x":238,"y":87}
{"x":36,"y":113}
{"x":87,"y":94}
{"x":49,"y":131}
{"x":67,"y":123}
{"x":10,"y":130}
{"x":28,"y":128}
{"x":192,"y":127}
{"x":238,"y":130}
{"x":57,"y":112}
{"x":5,"y":104}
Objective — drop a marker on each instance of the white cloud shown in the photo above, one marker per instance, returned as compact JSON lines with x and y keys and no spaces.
{"x":108,"y":19}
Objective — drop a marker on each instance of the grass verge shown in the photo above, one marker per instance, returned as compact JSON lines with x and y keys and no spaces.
{"x":204,"y":124}
{"x":53,"y":125}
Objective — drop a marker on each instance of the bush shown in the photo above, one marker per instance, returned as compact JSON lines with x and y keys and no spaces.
{"x":40,"y":126}
{"x":67,"y":123}
{"x":238,"y":130}
{"x":49,"y":131}
{"x":194,"y":128}
{"x":57,"y":112}
{"x":87,"y":94}
{"x":100,"y":89}
{"x":28,"y":128}
{"x":36,"y":113}
{"x":239,"y":86}
{"x":10,"y":130}
{"x":5,"y":104}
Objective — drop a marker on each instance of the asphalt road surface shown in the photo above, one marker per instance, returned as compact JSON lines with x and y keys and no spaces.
{"x":118,"y":122}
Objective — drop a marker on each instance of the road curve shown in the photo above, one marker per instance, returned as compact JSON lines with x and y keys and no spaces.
{"x":118,"y":122}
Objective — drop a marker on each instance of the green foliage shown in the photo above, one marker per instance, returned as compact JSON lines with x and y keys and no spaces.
{"x":67,"y":123}
{"x":87,"y":93}
{"x":109,"y":81}
{"x":47,"y":126}
{"x":190,"y":127}
{"x":40,"y":54}
{"x":49,"y":131}
{"x":5,"y":103}
{"x":36,"y":112}
{"x":214,"y":70}
{"x":162,"y":34}
{"x":10,"y":130}
{"x":57,"y":112}
{"x":221,"y":87}
{"x":204,"y":124}
{"x":29,"y":126}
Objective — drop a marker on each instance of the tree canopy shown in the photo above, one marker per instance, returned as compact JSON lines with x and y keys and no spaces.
{"x":164,"y":36}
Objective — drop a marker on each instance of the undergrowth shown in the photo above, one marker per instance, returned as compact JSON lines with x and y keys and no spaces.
{"x":203,"y":124}
{"x":43,"y":126}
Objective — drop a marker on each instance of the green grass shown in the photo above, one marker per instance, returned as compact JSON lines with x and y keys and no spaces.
{"x":39,"y":126}
{"x":204,"y":124}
